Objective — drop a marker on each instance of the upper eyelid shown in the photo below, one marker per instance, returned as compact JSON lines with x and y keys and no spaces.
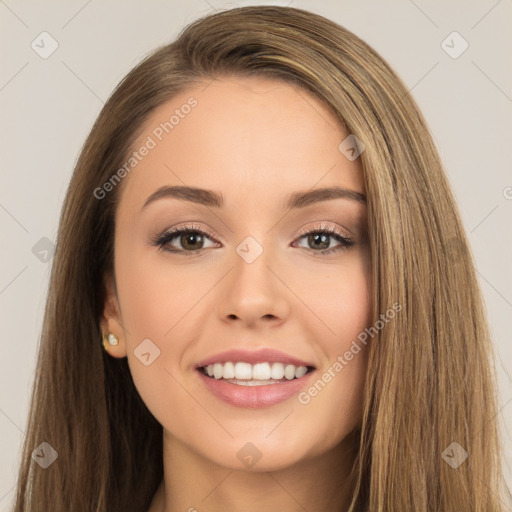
{"x":324,"y":227}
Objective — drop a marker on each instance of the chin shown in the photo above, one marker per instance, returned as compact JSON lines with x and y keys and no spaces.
{"x":257,"y":454}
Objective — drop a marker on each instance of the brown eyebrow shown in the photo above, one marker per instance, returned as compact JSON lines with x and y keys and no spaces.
{"x":216,"y":200}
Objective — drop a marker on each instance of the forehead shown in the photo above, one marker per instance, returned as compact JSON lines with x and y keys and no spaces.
{"x":242,"y":136}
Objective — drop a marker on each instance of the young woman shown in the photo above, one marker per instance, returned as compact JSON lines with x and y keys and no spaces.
{"x":262,"y":296}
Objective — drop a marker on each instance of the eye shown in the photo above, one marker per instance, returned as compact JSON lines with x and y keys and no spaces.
{"x":190,"y":239}
{"x":319,"y":239}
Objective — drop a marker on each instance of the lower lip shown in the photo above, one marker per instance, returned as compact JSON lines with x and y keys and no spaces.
{"x":254,"y":396}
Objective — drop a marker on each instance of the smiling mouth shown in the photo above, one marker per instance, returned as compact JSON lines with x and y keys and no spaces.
{"x":259,"y":374}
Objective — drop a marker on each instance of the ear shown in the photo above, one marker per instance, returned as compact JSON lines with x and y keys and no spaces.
{"x":111,"y":321}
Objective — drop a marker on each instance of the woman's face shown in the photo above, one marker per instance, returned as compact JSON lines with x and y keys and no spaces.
{"x":262,"y":282}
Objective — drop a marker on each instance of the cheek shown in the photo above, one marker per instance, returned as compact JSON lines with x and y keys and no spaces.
{"x":340,"y":297}
{"x":334,"y":402}
{"x":157,"y":313}
{"x":154,"y":306}
{"x":154,"y":294}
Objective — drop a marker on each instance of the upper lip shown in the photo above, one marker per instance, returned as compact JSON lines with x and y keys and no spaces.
{"x":262,"y":355}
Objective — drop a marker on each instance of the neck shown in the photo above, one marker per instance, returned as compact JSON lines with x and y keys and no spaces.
{"x":192,"y":483}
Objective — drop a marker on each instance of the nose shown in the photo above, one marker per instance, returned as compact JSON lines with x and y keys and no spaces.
{"x":253,"y":293}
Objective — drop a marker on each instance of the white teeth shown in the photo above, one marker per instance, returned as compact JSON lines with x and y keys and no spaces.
{"x":255,"y":374}
{"x":261,"y":371}
{"x":300,"y":371}
{"x":243,"y":371}
{"x":228,"y":372}
{"x":217,"y":371}
{"x":277,"y":371}
{"x":289,"y":371}
{"x":252,"y":383}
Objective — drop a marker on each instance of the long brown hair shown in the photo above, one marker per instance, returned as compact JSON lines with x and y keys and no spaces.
{"x":430,"y":381}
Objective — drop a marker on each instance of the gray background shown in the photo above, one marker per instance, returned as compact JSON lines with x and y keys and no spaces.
{"x":48,"y":107}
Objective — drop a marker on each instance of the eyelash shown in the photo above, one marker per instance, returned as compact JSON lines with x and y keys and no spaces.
{"x":162,"y":240}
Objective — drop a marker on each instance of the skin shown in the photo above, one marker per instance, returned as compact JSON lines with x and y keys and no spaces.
{"x":256,"y":141}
